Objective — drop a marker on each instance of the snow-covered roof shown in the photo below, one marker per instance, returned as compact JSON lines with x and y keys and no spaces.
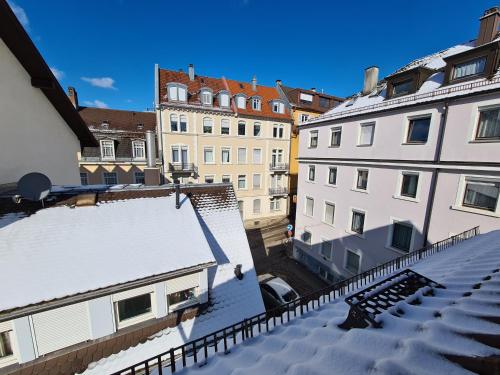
{"x":62,"y":251}
{"x":231,"y":300}
{"x":430,"y":90}
{"x":432,"y":337}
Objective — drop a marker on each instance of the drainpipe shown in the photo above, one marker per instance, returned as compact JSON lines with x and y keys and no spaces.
{"x":159,"y":126}
{"x":435,"y":173}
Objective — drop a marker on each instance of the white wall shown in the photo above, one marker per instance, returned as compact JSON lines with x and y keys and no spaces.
{"x":33,"y":136}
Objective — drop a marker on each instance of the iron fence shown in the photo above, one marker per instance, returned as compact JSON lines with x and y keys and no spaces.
{"x":182,"y":168}
{"x":198,"y":351}
{"x":278,"y":166}
{"x":278,"y":191}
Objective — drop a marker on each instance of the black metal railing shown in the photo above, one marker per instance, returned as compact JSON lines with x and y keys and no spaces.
{"x":99,"y":159}
{"x":182,"y":168}
{"x":198,"y":351}
{"x":278,"y":191}
{"x":278,"y":166}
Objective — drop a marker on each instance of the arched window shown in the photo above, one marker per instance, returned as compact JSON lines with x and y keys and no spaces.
{"x":174,"y":124}
{"x":183,"y":123}
{"x":256,"y":104}
{"x":206,"y":97}
{"x":177,"y":92}
{"x":208,"y":125}
{"x":224,"y":100}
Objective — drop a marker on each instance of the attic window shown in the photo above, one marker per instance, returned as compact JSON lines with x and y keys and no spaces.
{"x":278,"y":106}
{"x":256,"y":104}
{"x":140,"y":126}
{"x":105,"y":125}
{"x":206,"y":97}
{"x":177,"y":92}
{"x":224,"y":99}
{"x":402,"y":88}
{"x":324,"y":102}
{"x":469,"y":68}
{"x":307,"y":98}
{"x":241,"y":101}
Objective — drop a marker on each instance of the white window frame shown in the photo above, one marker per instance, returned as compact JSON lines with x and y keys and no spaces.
{"x":399,"y":186}
{"x":390,"y":232}
{"x":11,"y":358}
{"x":238,"y":130}
{"x":406,"y":134}
{"x":244,"y":180}
{"x":334,"y":130}
{"x":278,"y":131}
{"x":330,"y":167}
{"x":259,"y":124}
{"x":309,"y":143}
{"x":187,"y":124}
{"x":211,"y":121}
{"x":174,"y":117}
{"x":109,"y":142}
{"x":131,"y":294}
{"x":330,"y":248}
{"x":458,"y":205}
{"x":212,"y":148}
{"x":209,"y":176}
{"x":241,"y":99}
{"x":253,"y":155}
{"x":224,"y":94}
{"x":204,"y":94}
{"x":179,"y":88}
{"x":365,"y":125}
{"x":222,"y":149}
{"x":223,"y":127}
{"x":104,"y":177}
{"x":253,"y":206}
{"x":356,"y":252}
{"x":305,"y":206}
{"x":246,"y":156}
{"x":475,"y":121}
{"x":182,"y":304}
{"x":260,"y":181}
{"x":304,"y":117}
{"x":179,"y":148}
{"x":275,"y":204}
{"x":85,"y":176}
{"x":278,"y":106}
{"x":323,"y":219}
{"x":256,"y":103}
{"x":355,"y":186}
{"x":313,"y":166}
{"x":226,"y":175}
{"x":135,"y":177}
{"x":349,"y":224}
{"x":143,"y":146}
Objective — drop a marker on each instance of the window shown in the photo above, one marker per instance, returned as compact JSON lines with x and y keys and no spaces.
{"x":108,"y":149}
{"x":84,"y":178}
{"x":241,"y":128}
{"x":366,"y":132}
{"x":241,"y":206}
{"x":256,"y":206}
{"x":226,"y":179}
{"x":313,"y":139}
{"x":332,"y":175}
{"x":242,"y":181}
{"x":278,"y":131}
{"x":326,"y":249}
{"x":139,"y":149}
{"x":241,"y":102}
{"x":278,"y":107}
{"x":256,"y":181}
{"x":469,"y":68}
{"x":257,"y":156}
{"x":402,"y":88}
{"x":276,"y":156}
{"x":256,"y":129}
{"x":358,"y":222}
{"x":309,"y":206}
{"x":224,"y":99}
{"x":324,"y":102}
{"x":183,"y":123}
{"x":275,"y":204}
{"x":139,"y":178}
{"x":133,"y":307}
{"x":209,"y":179}
{"x":307,"y":237}
{"x":256,"y":104}
{"x":308,"y":98}
{"x":409,"y":184}
{"x":110,"y":178}
{"x":224,"y":126}
{"x":208,"y":155}
{"x":5,"y":345}
{"x":242,"y":155}
{"x":184,"y":296}
{"x":304,"y":117}
{"x":335,"y":136}
{"x":401,"y":236}
{"x":362,"y":179}
{"x":174,"y":124}
{"x":226,"y":155}
{"x":329,"y":213}
{"x":208,"y":125}
{"x":206,"y":97}
{"x":489,"y":124}
{"x":481,"y":194}
{"x":312,"y":173}
{"x":177,"y":92}
{"x":352,"y":261}
{"x":418,"y":130}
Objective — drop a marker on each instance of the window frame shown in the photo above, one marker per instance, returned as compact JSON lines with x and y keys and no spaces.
{"x":174,"y":118}
{"x":116,"y":298}
{"x":112,"y":143}
{"x":330,"y":168}
{"x":228,"y":177}
{"x":399,"y":188}
{"x":351,"y":215}
{"x":244,"y":127}
{"x":477,"y":121}
{"x":390,"y":234}
{"x":310,"y":143}
{"x":10,"y":358}
{"x":453,"y":79}
{"x":256,"y":102}
{"x":182,"y":304}
{"x":239,"y":97}
{"x":222,"y":149}
{"x":309,"y":242}
{"x":212,"y":148}
{"x":253,"y":155}
{"x":85,"y":176}
{"x":408,"y":129}
{"x":306,"y":198}
{"x":254,"y":187}
{"x":280,"y":106}
{"x":458,"y":205}
{"x":143,"y":145}
{"x":206,"y":92}
{"x":363,"y":125}
{"x":209,"y":119}
{"x":356,"y":180}
{"x":178,"y":86}
{"x":221,"y":94}
{"x":254,"y":211}
{"x":228,"y":127}
{"x":143,"y":177}
{"x":356,"y":252}
{"x":330,"y":249}
{"x":304,"y":117}
{"x":244,"y":181}
{"x":109,"y":173}
{"x":258,"y":125}
{"x":211,"y":175}
{"x":311,"y":167}
{"x":242,"y":162}
{"x":323,"y":219}
{"x":335,"y":129}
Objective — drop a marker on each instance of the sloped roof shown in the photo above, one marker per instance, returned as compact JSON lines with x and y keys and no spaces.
{"x":455,"y":331}
{"x":293,"y":96}
{"x":120,"y":120}
{"x":20,"y":44}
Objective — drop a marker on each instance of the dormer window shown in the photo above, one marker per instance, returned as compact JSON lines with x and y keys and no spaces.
{"x":407,"y":81}
{"x":241,"y":101}
{"x":224,"y":100}
{"x":402,"y":88}
{"x":140,"y":126}
{"x":139,"y":149}
{"x":278,"y":106}
{"x":306,"y":98}
{"x":107,"y":149}
{"x":256,"y":104}
{"x":206,"y":97}
{"x":469,"y":68}
{"x":177,"y":92}
{"x":105,"y":125}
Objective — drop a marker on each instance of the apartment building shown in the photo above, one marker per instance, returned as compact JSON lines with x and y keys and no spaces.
{"x":125,"y":138}
{"x":408,"y":161}
{"x":221,"y":130}
{"x":40,"y":130}
{"x":304,"y":105}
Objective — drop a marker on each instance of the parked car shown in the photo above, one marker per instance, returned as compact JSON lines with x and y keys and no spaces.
{"x":275,"y":291}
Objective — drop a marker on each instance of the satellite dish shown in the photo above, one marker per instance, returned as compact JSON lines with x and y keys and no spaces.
{"x":34,"y":186}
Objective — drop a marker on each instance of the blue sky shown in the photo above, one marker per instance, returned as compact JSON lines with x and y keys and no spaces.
{"x":107,"y":48}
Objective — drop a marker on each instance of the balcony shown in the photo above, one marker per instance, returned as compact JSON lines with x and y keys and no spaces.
{"x":117,"y":160}
{"x":278,"y":167}
{"x":278,"y":191}
{"x":182,"y":168}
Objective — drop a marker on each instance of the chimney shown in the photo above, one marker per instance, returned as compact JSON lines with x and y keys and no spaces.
{"x":151,"y":172}
{"x":177,"y":194}
{"x":73,"y":96}
{"x":254,"y":83}
{"x":488,"y":26}
{"x":371,"y":79}
{"x":191,"y":72}
{"x":278,"y":82}
{"x":237,"y":272}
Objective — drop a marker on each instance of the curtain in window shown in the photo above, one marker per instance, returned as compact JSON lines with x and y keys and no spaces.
{"x":225,"y":156}
{"x":172,"y":92}
{"x":183,"y":123}
{"x":352,"y":262}
{"x":482,"y":195}
{"x":329,"y":213}
{"x":489,"y":124}
{"x":366,"y":135}
{"x":256,"y":206}
{"x":358,"y":221}
{"x":309,"y":206}
{"x":256,"y":180}
{"x":209,"y":156}
{"x":224,"y":124}
{"x":242,"y":155}
{"x":401,"y":236}
{"x":409,"y":187}
{"x":332,"y":176}
{"x":207,"y":125}
{"x":173,"y":123}
{"x":469,"y":68}
{"x":311,"y":173}
{"x":257,"y":156}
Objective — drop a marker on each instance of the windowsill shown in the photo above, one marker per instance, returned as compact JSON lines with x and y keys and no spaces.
{"x":311,"y":147}
{"x":413,"y":143}
{"x":183,"y":305}
{"x":475,"y":211}
{"x":8,"y":360}
{"x":207,"y":133}
{"x":360,"y":190}
{"x":242,"y":189}
{"x":332,"y":186}
{"x":327,"y":223}
{"x":310,"y":182}
{"x":209,"y":163}
{"x":108,"y":159}
{"x":362,"y":236}
{"x":403,"y":198}
{"x":399,"y":251}
{"x":485,"y":140}
{"x":310,"y":216}
{"x":351,"y":272}
{"x":334,"y":146}
{"x":371,"y":144}
{"x":135,"y":320}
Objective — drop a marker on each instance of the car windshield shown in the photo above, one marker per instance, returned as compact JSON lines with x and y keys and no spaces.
{"x":289,"y":296}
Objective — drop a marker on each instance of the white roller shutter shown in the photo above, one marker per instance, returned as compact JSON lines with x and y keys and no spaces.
{"x":62,"y":327}
{"x":183,"y":283}
{"x":5,"y":326}
{"x":133,"y":293}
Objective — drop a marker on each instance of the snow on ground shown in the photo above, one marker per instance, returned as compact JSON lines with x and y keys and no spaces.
{"x":410,"y":344}
{"x":65,"y":251}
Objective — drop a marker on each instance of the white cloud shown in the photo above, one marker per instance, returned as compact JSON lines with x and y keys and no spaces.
{"x":96,"y":103}
{"x":20,"y":14}
{"x":59,"y":74}
{"x":103,"y":82}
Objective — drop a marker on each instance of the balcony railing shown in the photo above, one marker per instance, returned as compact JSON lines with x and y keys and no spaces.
{"x":278,"y":167}
{"x":182,"y":168}
{"x":198,"y":351}
{"x":278,"y":191}
{"x":98,"y":159}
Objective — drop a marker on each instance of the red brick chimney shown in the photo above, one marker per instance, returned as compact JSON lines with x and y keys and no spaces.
{"x":488,"y":26}
{"x":73,"y":96}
